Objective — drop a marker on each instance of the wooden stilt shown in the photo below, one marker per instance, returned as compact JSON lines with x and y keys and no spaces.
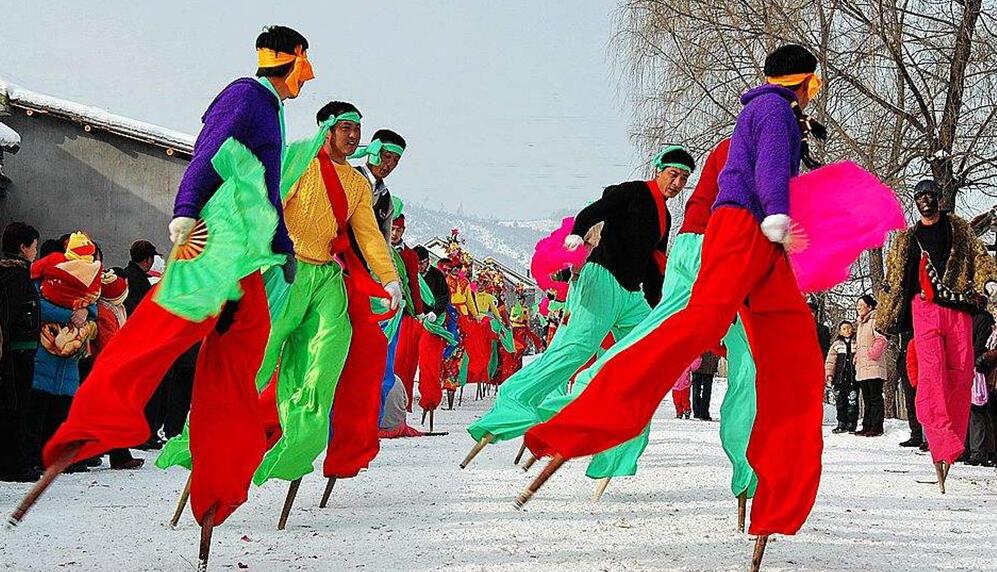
{"x":181,"y":503}
{"x":431,"y":420}
{"x":742,"y":508}
{"x":525,"y":496}
{"x":942,"y":472}
{"x":423,"y":417}
{"x":756,"y":558}
{"x":519,"y":455}
{"x":328,"y":492}
{"x":460,"y":398}
{"x":600,"y":488}
{"x":476,"y":449}
{"x":207,"y":528}
{"x":450,"y":394}
{"x":53,"y":471}
{"x":292,"y":491}
{"x":529,"y":463}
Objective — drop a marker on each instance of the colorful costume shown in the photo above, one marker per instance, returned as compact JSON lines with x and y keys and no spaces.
{"x":742,"y":270}
{"x":935,"y":277}
{"x":233,"y":177}
{"x":433,"y":338}
{"x":681,"y":272}
{"x":605,"y":297}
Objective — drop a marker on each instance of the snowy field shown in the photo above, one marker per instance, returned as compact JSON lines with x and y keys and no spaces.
{"x":415,"y":510}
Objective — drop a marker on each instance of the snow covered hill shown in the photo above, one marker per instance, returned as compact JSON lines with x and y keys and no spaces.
{"x":510,"y":242}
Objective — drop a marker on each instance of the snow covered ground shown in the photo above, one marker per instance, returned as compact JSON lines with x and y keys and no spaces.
{"x":415,"y":510}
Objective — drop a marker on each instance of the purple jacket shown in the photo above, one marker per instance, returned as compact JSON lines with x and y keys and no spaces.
{"x":247,"y":111}
{"x":764,"y":154}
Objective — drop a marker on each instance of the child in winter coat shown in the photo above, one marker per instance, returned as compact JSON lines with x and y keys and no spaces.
{"x":839,"y":369}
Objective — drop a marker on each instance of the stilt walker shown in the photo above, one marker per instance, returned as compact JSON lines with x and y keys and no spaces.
{"x":406,"y":334}
{"x":228,"y":225}
{"x":744,"y":263}
{"x":937,"y":274}
{"x":605,"y":297}
{"x":432,"y":337}
{"x":681,"y":271}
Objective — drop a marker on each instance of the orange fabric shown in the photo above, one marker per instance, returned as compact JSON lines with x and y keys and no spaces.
{"x":795,"y":79}
{"x":300,"y":73}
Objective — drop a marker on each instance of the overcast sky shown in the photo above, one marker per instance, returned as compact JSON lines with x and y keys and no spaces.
{"x":510,"y":108}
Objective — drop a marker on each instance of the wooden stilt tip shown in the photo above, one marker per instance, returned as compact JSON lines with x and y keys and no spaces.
{"x":600,"y":488}
{"x":39,"y":488}
{"x":742,"y":509}
{"x":292,"y":491}
{"x":529,"y":463}
{"x":519,"y":455}
{"x":431,"y":411}
{"x":181,"y":503}
{"x":207,"y":528}
{"x":328,"y":492}
{"x":488,"y":438}
{"x":424,"y":412}
{"x":942,"y":472}
{"x":756,"y":558}
{"x":531,"y":489}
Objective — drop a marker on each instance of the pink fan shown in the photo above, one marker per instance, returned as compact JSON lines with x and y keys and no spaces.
{"x":550,"y":256}
{"x":842,"y":210}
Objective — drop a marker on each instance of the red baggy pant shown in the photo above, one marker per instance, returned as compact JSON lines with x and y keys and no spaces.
{"x":944,"y":341}
{"x":740,"y":268}
{"x":478,"y":346}
{"x":681,"y":399}
{"x":226,"y":432}
{"x":407,"y":354}
{"x":357,"y":403}
{"x":431,"y":348}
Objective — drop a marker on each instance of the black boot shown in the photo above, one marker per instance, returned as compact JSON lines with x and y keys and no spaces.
{"x":912,"y":442}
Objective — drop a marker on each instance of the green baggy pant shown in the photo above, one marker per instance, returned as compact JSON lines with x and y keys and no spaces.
{"x":737,"y":413}
{"x":310,"y":337}
{"x":598,"y":305}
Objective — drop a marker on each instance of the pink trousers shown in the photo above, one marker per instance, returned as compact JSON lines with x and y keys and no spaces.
{"x":944,"y":341}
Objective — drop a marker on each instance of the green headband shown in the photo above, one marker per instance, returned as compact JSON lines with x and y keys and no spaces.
{"x":348,"y":116}
{"x":661,"y":165}
{"x":373,"y":151}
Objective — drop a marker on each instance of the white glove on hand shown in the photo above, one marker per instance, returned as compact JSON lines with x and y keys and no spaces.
{"x":430,"y":316}
{"x":573,"y":241}
{"x":776,"y":227}
{"x":394,"y":290}
{"x":180,"y":229}
{"x":991,"y":288}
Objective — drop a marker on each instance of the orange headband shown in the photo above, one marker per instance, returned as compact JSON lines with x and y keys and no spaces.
{"x":268,"y":58}
{"x":301,"y":72}
{"x":796,"y":79}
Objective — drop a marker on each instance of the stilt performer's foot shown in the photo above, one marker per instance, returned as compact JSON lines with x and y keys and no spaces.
{"x":519,"y":456}
{"x":742,"y":508}
{"x":476,"y":449}
{"x":292,"y":491}
{"x":756,"y":558}
{"x":181,"y":503}
{"x":525,"y":496}
{"x":207,"y":527}
{"x":600,"y":488}
{"x":942,"y":471}
{"x":328,"y":492}
{"x":529,"y":463}
{"x":53,"y":471}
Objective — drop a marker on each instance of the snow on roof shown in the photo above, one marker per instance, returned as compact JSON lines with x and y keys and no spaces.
{"x":95,"y":117}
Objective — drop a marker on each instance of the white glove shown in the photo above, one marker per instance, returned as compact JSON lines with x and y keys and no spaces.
{"x":394,"y":290}
{"x":180,"y":228}
{"x":429,"y":316}
{"x":573,"y":241}
{"x":776,"y":227}
{"x":991,"y":288}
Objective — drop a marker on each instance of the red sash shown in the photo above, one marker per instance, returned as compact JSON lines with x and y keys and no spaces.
{"x":357,"y":277}
{"x":659,"y":202}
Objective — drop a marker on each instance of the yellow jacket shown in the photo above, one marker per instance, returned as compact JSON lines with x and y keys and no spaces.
{"x":312,"y":224}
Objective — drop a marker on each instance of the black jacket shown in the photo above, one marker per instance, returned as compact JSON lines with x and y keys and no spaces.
{"x":19,"y":303}
{"x":709,"y":365}
{"x":138,"y":285}
{"x":437,"y":283}
{"x":630,"y":236}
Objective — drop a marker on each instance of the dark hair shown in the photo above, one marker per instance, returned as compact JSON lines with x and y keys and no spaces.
{"x":843,"y":322}
{"x":389,"y":136}
{"x":788,"y":60}
{"x":335,"y":108}
{"x":50,"y":246}
{"x":869,"y":301}
{"x":279,"y":39}
{"x":421,"y":252}
{"x":16,"y":235}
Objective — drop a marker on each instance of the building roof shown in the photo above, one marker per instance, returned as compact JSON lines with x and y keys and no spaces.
{"x":90,"y":118}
